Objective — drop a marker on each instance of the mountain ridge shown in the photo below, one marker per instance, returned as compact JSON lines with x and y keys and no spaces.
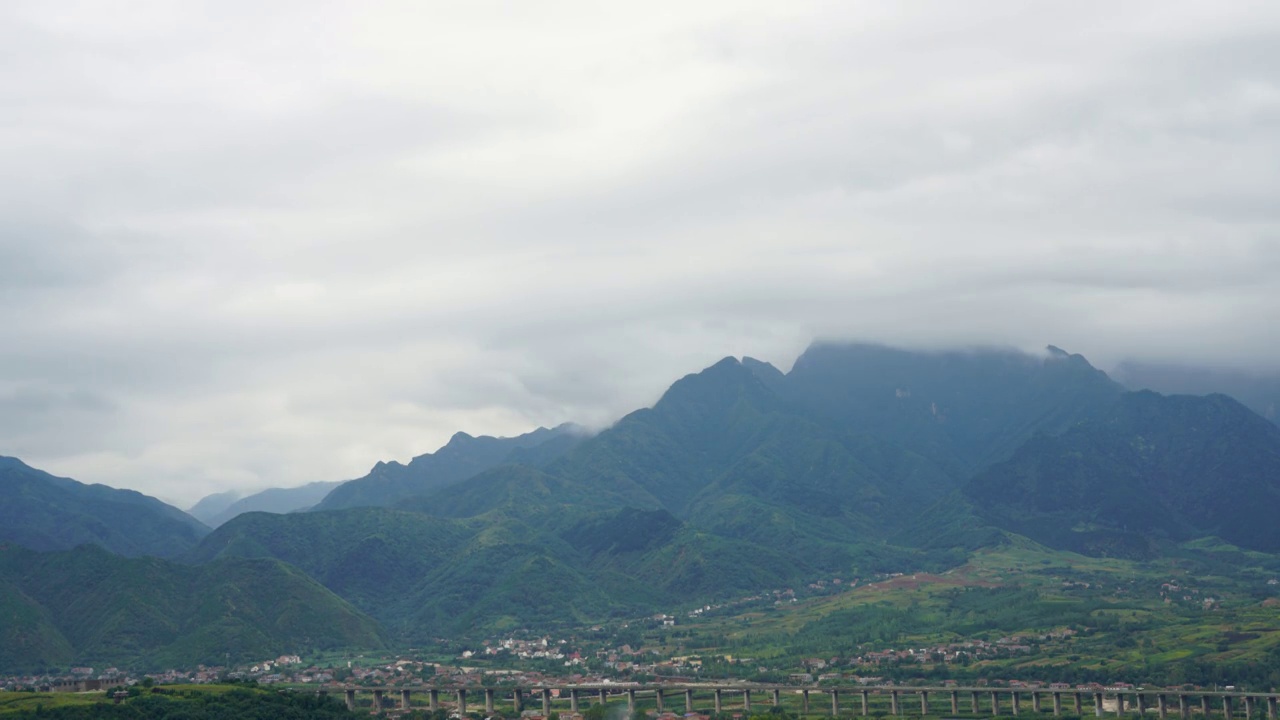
{"x":45,"y":512}
{"x":462,"y":457}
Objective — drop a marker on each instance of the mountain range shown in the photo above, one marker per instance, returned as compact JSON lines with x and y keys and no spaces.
{"x":860,"y":459}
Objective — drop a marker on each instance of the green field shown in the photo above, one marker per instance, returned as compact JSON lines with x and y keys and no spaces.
{"x":1203,"y":614}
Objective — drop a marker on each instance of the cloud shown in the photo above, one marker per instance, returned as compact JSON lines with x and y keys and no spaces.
{"x":245,"y":246}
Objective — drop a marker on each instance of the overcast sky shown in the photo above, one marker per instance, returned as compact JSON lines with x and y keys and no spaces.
{"x":248,"y":244}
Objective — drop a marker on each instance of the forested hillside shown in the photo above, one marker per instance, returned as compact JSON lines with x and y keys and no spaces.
{"x":44,"y":512}
{"x":90,"y":606}
{"x":1155,"y":468}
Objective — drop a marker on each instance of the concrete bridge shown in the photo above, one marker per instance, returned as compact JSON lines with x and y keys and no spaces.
{"x":859,"y":700}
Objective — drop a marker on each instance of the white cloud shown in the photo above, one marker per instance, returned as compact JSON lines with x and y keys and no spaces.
{"x":247,"y":245}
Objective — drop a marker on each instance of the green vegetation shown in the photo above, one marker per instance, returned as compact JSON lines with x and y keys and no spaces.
{"x":87,"y":605}
{"x":1153,"y":469}
{"x":175,"y":703}
{"x":44,"y":512}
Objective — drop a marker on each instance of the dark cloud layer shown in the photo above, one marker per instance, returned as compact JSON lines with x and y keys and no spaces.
{"x":244,"y":246}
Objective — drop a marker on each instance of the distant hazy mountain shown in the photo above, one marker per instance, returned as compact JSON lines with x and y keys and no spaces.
{"x":272,"y":500}
{"x":1259,"y":392}
{"x":90,"y":607}
{"x":44,"y":512}
{"x":1155,"y":468}
{"x":210,"y":506}
{"x":462,"y":457}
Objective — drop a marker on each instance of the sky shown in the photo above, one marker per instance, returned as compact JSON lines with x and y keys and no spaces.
{"x":249,"y":244}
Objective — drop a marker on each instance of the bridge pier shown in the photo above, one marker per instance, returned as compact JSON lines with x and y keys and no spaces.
{"x":1128,"y":702}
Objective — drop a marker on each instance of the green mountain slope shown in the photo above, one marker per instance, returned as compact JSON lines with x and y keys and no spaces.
{"x":44,"y":512}
{"x":87,"y":605}
{"x":1155,"y":468}
{"x":29,"y":638}
{"x":373,"y":557}
{"x":1152,"y":470}
{"x":462,"y":457}
{"x":423,"y":576}
{"x":963,"y":410}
